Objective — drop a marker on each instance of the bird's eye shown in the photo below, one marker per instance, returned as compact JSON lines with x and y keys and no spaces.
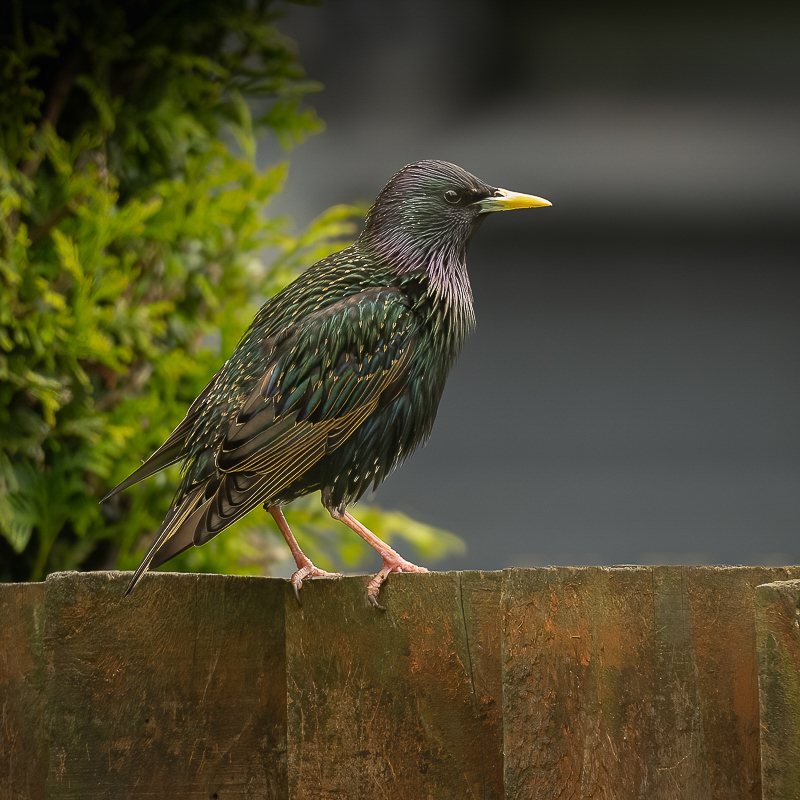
{"x":452,"y":196}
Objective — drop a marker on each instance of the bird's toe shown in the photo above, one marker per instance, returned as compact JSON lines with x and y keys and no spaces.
{"x":390,"y":565}
{"x":309,"y":571}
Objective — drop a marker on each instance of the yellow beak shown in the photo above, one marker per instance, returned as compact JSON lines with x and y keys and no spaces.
{"x":504,"y":200}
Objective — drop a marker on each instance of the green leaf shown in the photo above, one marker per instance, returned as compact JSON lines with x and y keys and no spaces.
{"x":67,"y":254}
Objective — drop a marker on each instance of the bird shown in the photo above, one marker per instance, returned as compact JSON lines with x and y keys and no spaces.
{"x":338,"y":378}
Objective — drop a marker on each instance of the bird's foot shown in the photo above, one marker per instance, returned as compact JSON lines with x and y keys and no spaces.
{"x":391,"y":563}
{"x":308,"y":570}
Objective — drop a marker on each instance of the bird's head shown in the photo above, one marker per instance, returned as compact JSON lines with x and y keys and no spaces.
{"x":425,"y":216}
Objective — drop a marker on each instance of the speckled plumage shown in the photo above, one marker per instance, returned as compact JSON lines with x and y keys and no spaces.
{"x":339,"y":377}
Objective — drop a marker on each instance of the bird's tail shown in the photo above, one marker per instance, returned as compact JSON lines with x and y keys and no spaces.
{"x":174,"y":536}
{"x":169,"y":453}
{"x":172,"y":450}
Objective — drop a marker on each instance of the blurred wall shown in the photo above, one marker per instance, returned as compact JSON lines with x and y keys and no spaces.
{"x":631,"y":393}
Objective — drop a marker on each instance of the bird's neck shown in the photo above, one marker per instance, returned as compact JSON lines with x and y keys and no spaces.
{"x":449,"y":281}
{"x":444,"y":267}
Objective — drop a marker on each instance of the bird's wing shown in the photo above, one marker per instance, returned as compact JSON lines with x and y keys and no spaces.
{"x":172,"y":450}
{"x":339,"y":366}
{"x":324,"y":377}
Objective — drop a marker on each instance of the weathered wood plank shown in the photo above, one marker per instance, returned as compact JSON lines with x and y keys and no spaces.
{"x":23,"y":734}
{"x":401,"y":703}
{"x":778,"y":653}
{"x":719,"y":603}
{"x":677,"y":655}
{"x":578,"y":677}
{"x":175,"y":691}
{"x":679,"y":767}
{"x":480,"y":595}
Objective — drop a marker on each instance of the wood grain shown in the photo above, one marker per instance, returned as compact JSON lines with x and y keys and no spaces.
{"x":632,"y":682}
{"x":23,"y":681}
{"x":718,"y":603}
{"x":778,"y":651}
{"x":175,"y":691}
{"x":401,"y":703}
{"x":578,"y":682}
{"x":590,"y":682}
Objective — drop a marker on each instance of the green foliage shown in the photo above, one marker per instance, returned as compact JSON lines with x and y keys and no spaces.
{"x":131,"y":228}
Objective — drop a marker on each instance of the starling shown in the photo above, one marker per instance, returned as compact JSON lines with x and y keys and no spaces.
{"x":338,"y":378}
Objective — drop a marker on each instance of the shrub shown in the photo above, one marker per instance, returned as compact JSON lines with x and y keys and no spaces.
{"x":131,"y":242}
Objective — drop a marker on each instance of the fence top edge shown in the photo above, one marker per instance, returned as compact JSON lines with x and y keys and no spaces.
{"x":118,"y":575}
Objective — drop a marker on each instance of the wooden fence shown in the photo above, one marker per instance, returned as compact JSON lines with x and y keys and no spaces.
{"x":625,"y":682}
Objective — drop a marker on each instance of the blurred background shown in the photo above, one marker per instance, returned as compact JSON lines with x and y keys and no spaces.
{"x":631,"y":392}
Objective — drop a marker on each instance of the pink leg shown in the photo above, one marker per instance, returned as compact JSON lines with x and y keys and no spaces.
{"x":305,"y":569}
{"x":392,"y":561}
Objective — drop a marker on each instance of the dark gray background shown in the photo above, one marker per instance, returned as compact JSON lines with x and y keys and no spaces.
{"x":631,"y":393}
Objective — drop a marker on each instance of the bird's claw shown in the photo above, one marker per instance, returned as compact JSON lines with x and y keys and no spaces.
{"x":309,"y":571}
{"x":390,"y":565}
